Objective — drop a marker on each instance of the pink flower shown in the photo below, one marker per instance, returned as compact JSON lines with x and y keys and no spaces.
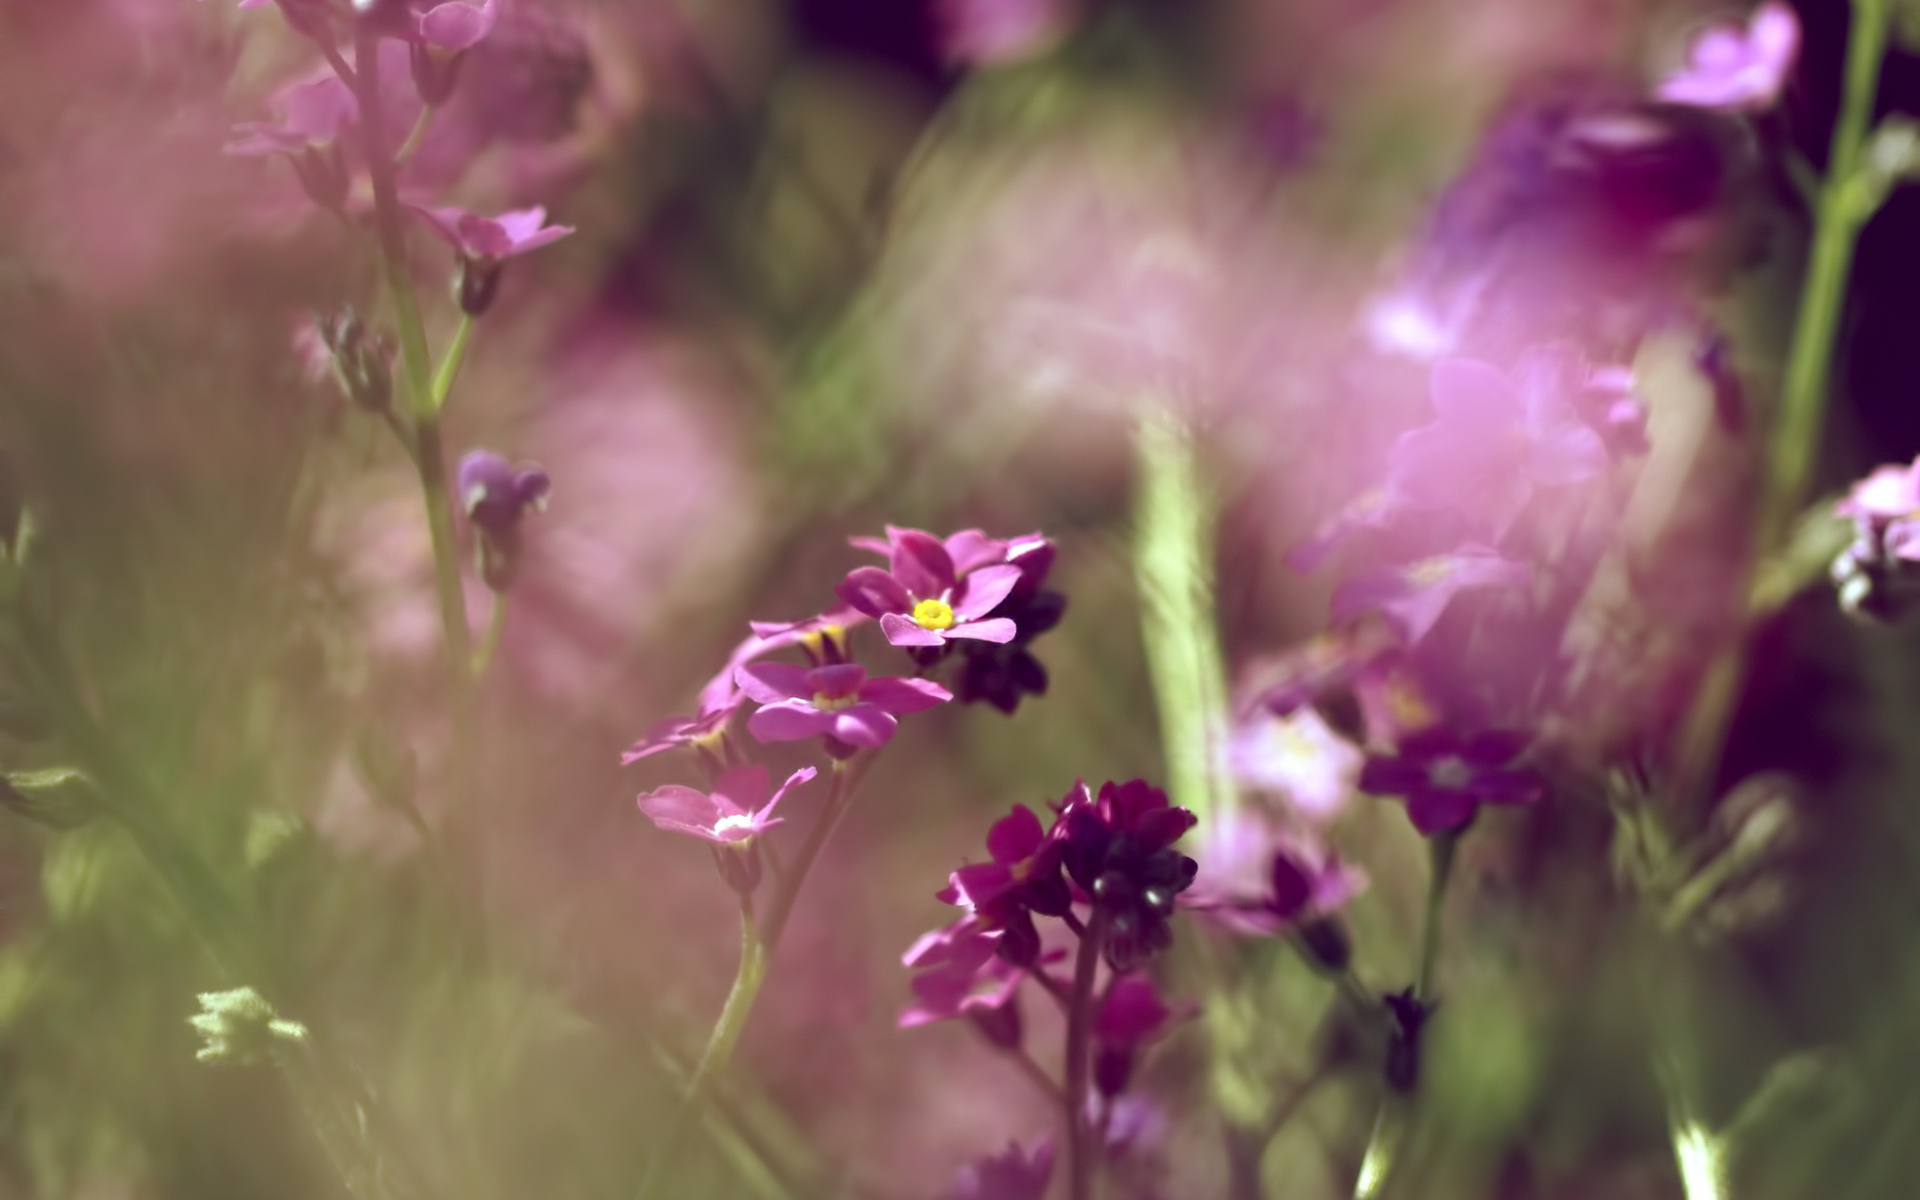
{"x":991,"y":33}
{"x":1414,"y":597}
{"x":456,"y":25}
{"x":1299,"y":757}
{"x":1728,"y":68}
{"x":1131,"y":1016}
{"x":490,"y":239}
{"x":726,"y":816}
{"x":836,"y":701}
{"x":1014,"y":1174}
{"x":935,"y":590}
{"x":1259,"y":880}
{"x":312,"y":114}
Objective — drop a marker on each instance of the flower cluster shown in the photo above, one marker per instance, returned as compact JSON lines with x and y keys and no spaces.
{"x":1878,"y":574}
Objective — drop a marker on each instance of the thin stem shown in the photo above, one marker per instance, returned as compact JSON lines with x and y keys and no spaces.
{"x":432,"y":464}
{"x":1079,"y":1047}
{"x":720,"y":1044}
{"x":1173,"y":572}
{"x":1839,"y":213}
{"x":756,"y":947}
{"x":1038,"y":1074}
{"x":415,"y":136}
{"x":1441,"y":848}
{"x":490,"y":641}
{"x":449,"y":368}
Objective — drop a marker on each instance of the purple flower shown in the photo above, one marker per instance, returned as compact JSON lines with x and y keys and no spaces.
{"x":1298,"y":756}
{"x":1884,"y":507}
{"x":1118,"y":850}
{"x":838,"y":702}
{"x":312,"y":115}
{"x":456,"y":25}
{"x":1740,"y":70}
{"x":1491,"y":444}
{"x":989,"y":33}
{"x":1413,"y":597}
{"x":700,"y":732}
{"x":1131,"y":1016}
{"x":934,"y":590}
{"x":1258,"y":880}
{"x":1014,"y":1174}
{"x":732,"y":813}
{"x":967,"y":979}
{"x":495,"y":493}
{"x":1445,"y":777}
{"x":1611,"y":404}
{"x":491,"y":239}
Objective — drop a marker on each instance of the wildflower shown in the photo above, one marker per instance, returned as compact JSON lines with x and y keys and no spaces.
{"x":961,"y":975}
{"x":1874,"y":573}
{"x":1131,"y":1016}
{"x":1013,"y":1174}
{"x":485,"y":243}
{"x":1001,"y":673}
{"x":450,"y":25}
{"x":1612,"y":407}
{"x":313,"y":118}
{"x":1491,"y":444}
{"x":701,"y":732}
{"x":993,"y":33}
{"x":933,"y":591}
{"x":360,"y":361}
{"x":1259,"y":880}
{"x":837,"y":702}
{"x":1413,"y":597}
{"x":495,"y":494}
{"x":1445,"y":777}
{"x":1118,"y":850}
{"x":1298,"y":756}
{"x":1738,"y":70}
{"x":731,"y":814}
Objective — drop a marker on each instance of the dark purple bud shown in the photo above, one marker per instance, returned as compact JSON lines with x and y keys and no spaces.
{"x":322,"y":175}
{"x":476,"y":283}
{"x":1410,"y":1016}
{"x":1327,"y":945}
{"x":1292,"y":887}
{"x":1019,"y":941}
{"x":1001,"y":1024}
{"x":1113,"y":1069}
{"x":495,"y":494}
{"x":1048,"y":894}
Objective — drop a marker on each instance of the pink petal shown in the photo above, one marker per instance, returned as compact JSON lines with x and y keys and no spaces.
{"x":789,"y":721}
{"x":920,"y":562}
{"x":1000,"y":629}
{"x":903,"y":631}
{"x":984,"y":590}
{"x":1015,"y":836}
{"x":874,"y":592}
{"x":903,"y":696}
{"x":1469,"y":391}
{"x":681,"y":809}
{"x":457,"y":26}
{"x":772,"y":683}
{"x":971,"y":549}
{"x":803,"y":775}
{"x":862,"y":725}
{"x":740,"y":789}
{"x":444,"y":221}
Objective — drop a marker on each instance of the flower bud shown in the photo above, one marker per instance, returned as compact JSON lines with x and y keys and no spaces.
{"x":322,"y":175}
{"x":739,"y":866}
{"x":476,"y":283}
{"x":434,"y":76}
{"x":362,"y":361}
{"x":1001,"y":1025}
{"x":1326,"y":945}
{"x":1113,"y":1069}
{"x":1020,"y":941}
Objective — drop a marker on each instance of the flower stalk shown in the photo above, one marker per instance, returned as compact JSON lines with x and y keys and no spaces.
{"x":1080,"y":1011}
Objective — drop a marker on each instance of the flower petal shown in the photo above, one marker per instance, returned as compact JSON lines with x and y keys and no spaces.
{"x":771,"y":683}
{"x":903,"y":696}
{"x":905,"y":631}
{"x":983,"y":591}
{"x":874,"y":592}
{"x":740,"y":790}
{"x":789,"y":721}
{"x":863,"y":725}
{"x":1015,"y":836}
{"x":999,"y":629}
{"x":680,"y":809}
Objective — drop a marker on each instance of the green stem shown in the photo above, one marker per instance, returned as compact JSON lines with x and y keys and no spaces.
{"x":446,"y":567}
{"x":1839,"y":214}
{"x":449,"y":368}
{"x":756,"y":947}
{"x":490,"y":641}
{"x":1080,"y":1154}
{"x":1441,"y":847}
{"x":720,"y":1044}
{"x":1173,"y":571}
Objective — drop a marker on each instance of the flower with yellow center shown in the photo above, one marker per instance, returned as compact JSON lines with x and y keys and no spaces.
{"x":826,"y":703}
{"x":936,"y":615}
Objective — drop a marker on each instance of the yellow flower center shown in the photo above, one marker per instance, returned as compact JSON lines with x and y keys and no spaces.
{"x":933,"y":614}
{"x":826,"y":703}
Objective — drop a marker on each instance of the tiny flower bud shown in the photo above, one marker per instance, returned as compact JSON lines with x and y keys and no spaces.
{"x":322,"y":175}
{"x":1113,"y":1069}
{"x":1326,"y":944}
{"x":476,"y":283}
{"x":361,"y":361}
{"x":1020,"y":941}
{"x":434,"y":76}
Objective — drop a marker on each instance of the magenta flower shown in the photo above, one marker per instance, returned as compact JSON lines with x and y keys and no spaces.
{"x":1445,"y":777}
{"x":495,"y":493}
{"x":934,"y":590}
{"x":963,"y":977}
{"x":737,"y":810}
{"x":1885,"y":507}
{"x":491,"y":239}
{"x":838,"y":702}
{"x":1491,"y":444}
{"x":990,"y":33}
{"x":1118,"y":850}
{"x":456,"y":25}
{"x":824,"y":638}
{"x":701,"y":732}
{"x":1260,"y":881}
{"x":312,"y":115}
{"x":1741,"y":70}
{"x":1414,"y":597}
{"x":1014,"y":1174}
{"x":1131,"y":1016}
{"x":1299,"y":757}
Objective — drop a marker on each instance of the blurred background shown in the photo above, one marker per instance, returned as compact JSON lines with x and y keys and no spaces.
{"x":840,"y":264}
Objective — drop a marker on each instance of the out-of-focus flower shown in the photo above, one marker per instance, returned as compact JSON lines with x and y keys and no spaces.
{"x":993,"y":33}
{"x":836,"y":702}
{"x":964,"y":979}
{"x":732,"y":813}
{"x":1611,"y":404}
{"x":360,"y":361}
{"x":1730,"y":68}
{"x":1131,"y":1016}
{"x":312,"y":114}
{"x":671,"y":733}
{"x":485,"y":243}
{"x":1013,"y":1174}
{"x":1875,"y":573}
{"x":1260,"y":880}
{"x":1491,"y":444}
{"x":1413,"y":597}
{"x":495,"y":494}
{"x":1001,"y":673}
{"x":1298,"y":756}
{"x":934,"y":590}
{"x":456,"y":25}
{"x":1445,"y":777}
{"x":1119,"y":850}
